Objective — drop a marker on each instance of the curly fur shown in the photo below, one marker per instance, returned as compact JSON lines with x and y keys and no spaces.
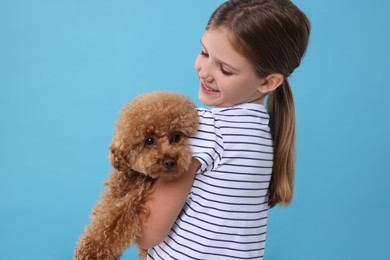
{"x":149,"y":142}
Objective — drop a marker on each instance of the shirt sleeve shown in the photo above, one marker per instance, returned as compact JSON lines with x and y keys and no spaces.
{"x":207,"y":144}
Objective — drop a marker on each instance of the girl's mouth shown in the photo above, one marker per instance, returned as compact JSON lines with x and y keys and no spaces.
{"x":207,"y":90}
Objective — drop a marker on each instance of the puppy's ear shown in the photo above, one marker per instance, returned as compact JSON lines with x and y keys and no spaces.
{"x":117,"y":156}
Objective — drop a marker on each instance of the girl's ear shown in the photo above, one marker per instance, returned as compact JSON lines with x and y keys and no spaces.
{"x":270,"y":83}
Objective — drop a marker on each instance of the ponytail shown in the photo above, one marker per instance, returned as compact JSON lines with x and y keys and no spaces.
{"x":282,"y":123}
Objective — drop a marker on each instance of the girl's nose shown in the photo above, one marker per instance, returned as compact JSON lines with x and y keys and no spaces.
{"x":205,"y":75}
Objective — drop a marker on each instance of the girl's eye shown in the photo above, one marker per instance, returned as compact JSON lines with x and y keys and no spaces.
{"x":149,"y":141}
{"x":204,"y":54}
{"x":175,"y":138}
{"x":227,"y":73}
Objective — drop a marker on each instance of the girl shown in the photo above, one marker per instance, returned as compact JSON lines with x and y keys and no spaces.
{"x":243,"y":155}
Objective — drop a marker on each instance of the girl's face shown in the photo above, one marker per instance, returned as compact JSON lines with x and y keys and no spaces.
{"x":226,"y":77}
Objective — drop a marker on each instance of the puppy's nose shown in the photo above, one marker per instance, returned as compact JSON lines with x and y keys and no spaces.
{"x":168,"y":163}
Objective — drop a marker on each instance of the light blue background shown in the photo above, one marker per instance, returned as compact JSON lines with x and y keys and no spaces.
{"x":67,"y":67}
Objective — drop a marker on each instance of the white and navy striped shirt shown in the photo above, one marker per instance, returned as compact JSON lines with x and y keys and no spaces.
{"x":225,"y":215}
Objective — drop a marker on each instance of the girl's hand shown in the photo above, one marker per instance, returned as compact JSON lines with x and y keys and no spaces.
{"x":164,"y":204}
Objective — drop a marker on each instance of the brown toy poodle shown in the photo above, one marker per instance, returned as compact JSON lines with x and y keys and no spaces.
{"x":149,"y":142}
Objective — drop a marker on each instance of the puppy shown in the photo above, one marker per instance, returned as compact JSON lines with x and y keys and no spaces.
{"x":149,"y":142}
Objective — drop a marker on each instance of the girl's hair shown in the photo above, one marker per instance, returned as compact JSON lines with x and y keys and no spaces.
{"x":273,"y":36}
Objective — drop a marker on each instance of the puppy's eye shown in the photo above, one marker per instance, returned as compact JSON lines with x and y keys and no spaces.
{"x":176,"y":138}
{"x":149,"y":141}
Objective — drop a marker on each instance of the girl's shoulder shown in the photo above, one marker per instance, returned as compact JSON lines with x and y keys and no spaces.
{"x":246,"y":111}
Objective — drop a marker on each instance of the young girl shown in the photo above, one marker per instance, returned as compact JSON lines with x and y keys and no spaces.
{"x":243,"y":154}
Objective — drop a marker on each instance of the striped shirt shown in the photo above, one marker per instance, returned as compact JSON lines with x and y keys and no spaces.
{"x":225,"y":215}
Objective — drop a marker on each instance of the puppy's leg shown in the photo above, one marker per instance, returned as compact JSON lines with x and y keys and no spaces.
{"x":142,"y":254}
{"x":115,"y":222}
{"x":94,"y":243}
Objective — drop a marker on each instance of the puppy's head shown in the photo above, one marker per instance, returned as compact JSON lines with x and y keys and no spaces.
{"x":151,"y":135}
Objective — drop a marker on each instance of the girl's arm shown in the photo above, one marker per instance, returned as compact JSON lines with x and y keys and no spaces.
{"x":164,"y":204}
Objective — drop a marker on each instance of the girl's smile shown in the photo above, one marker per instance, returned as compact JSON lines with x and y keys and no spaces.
{"x":207,"y":90}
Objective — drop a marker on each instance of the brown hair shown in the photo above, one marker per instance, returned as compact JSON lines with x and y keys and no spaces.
{"x":273,"y":35}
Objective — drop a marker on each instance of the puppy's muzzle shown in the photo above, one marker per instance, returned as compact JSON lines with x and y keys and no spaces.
{"x":169,"y":163}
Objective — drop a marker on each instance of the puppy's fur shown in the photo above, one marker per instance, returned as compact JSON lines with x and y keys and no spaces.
{"x":149,"y":142}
